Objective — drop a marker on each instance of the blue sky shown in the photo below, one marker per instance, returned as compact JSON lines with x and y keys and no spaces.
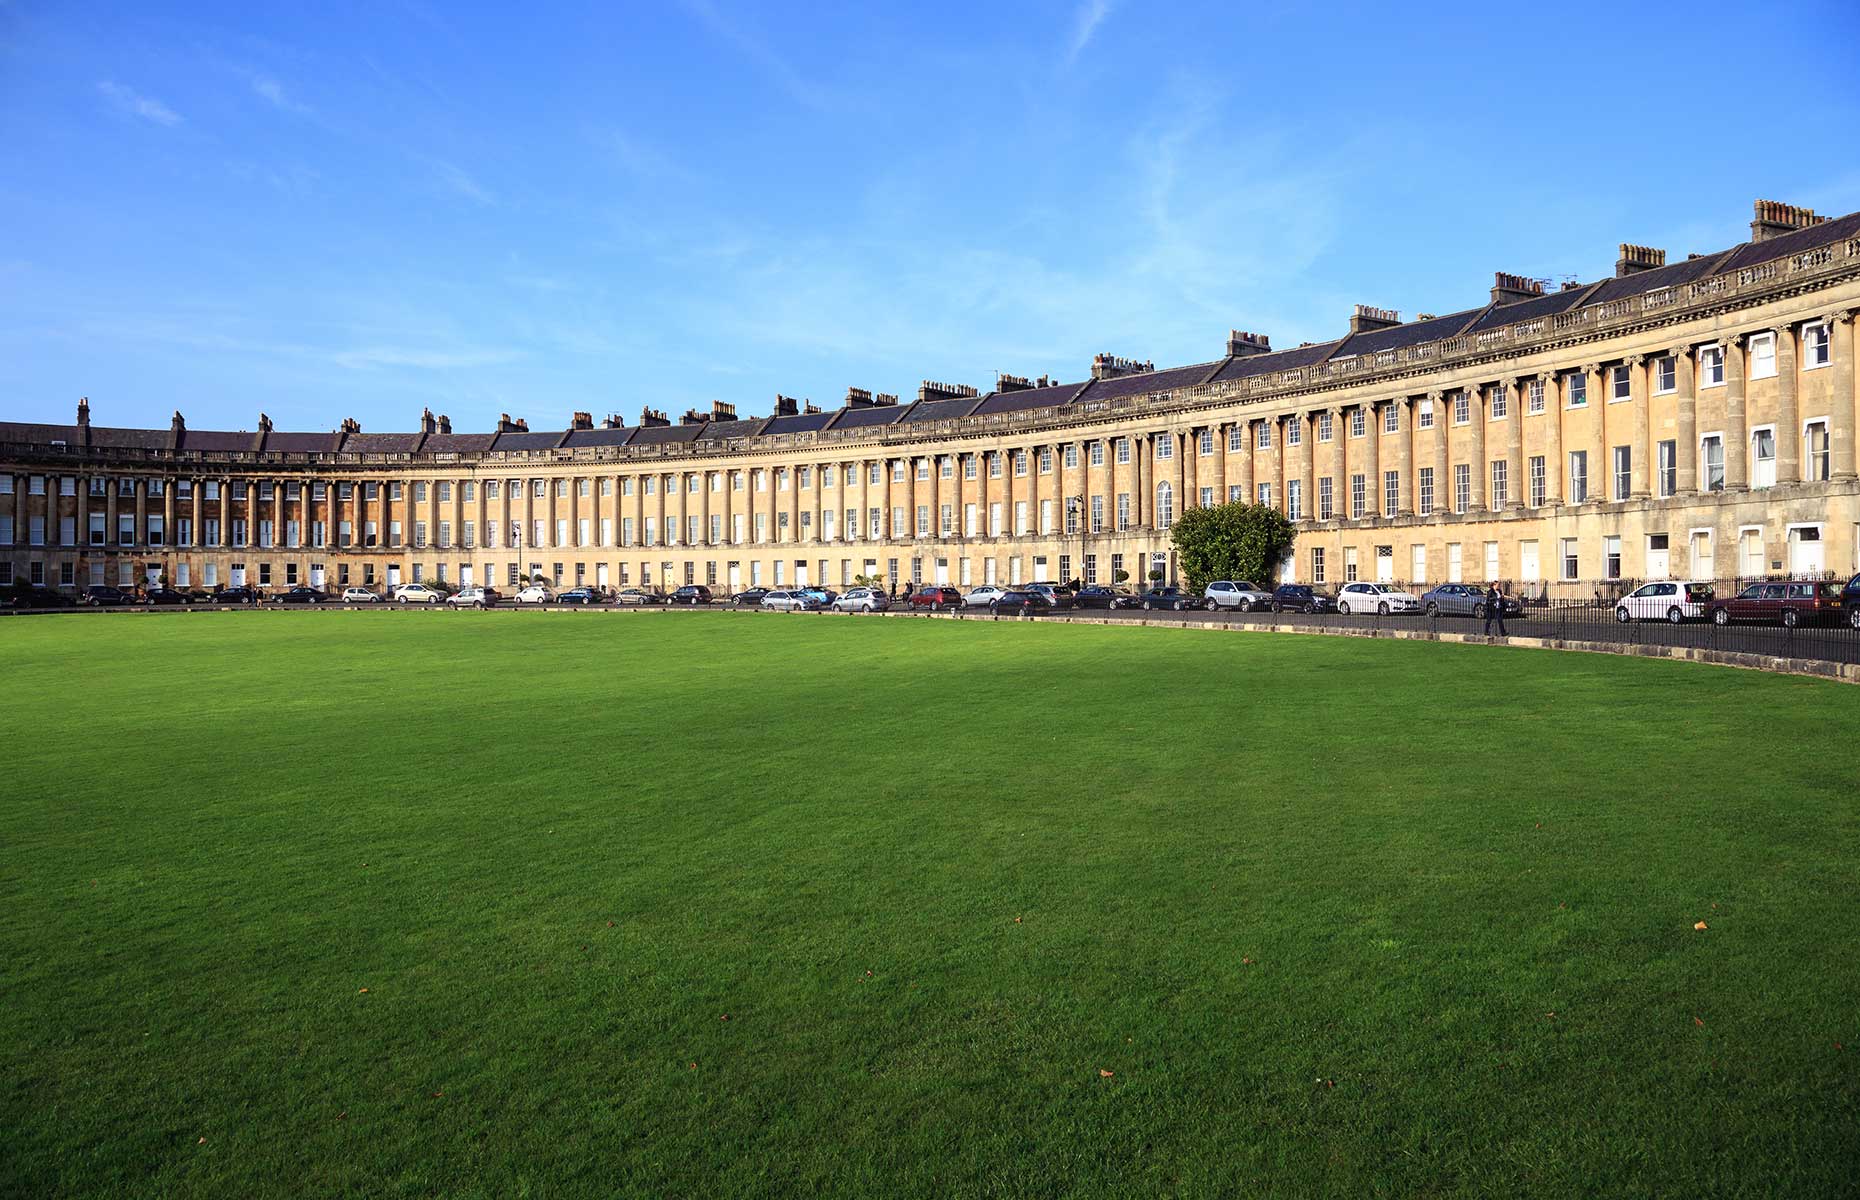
{"x":321,"y":211}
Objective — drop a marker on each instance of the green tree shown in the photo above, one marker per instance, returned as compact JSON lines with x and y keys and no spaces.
{"x":1231,"y":541}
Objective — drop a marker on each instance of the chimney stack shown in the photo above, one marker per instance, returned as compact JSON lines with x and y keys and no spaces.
{"x":523,"y":424}
{"x":506,"y":425}
{"x":581,"y":420}
{"x":1509,"y":289}
{"x":1366,"y":318}
{"x":1012,"y":383}
{"x":927,"y":390}
{"x":1773,"y":219}
{"x":693,"y":417}
{"x":858,"y":398}
{"x":84,"y":411}
{"x":786,"y":406}
{"x":612,"y":421}
{"x":445,"y":423}
{"x":1635,"y":259}
{"x":884,"y":399}
{"x":1241,"y":344}
{"x":1110,"y":366}
{"x":809,"y":407}
{"x":427,"y":424}
{"x":652,"y":418}
{"x":721,"y":411}
{"x":350,"y":425}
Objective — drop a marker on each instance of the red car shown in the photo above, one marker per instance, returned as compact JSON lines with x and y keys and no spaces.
{"x":936,"y":598}
{"x":1790,"y":603}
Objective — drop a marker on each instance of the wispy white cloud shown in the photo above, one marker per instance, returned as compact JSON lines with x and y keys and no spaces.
{"x":136,"y":104}
{"x":459,"y":181}
{"x":753,"y":47}
{"x":642,"y":159}
{"x":421,"y":358}
{"x":1085,"y":22}
{"x":273,"y":93}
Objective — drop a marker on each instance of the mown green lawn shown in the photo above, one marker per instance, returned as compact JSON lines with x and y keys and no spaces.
{"x":684,"y":904}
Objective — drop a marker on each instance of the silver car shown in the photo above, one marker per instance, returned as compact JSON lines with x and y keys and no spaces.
{"x":983,"y":596}
{"x":783,"y":601}
{"x":861,"y":599}
{"x":1235,"y":594}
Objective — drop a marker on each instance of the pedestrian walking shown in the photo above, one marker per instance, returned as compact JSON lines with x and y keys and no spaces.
{"x":1494,"y":609}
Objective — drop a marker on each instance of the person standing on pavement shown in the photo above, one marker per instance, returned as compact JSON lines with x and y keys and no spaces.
{"x":1494,"y":609}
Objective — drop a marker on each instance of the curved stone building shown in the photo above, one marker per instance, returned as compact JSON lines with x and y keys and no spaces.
{"x":1687,"y":419}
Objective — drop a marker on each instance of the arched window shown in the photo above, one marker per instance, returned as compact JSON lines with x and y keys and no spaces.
{"x":1165,"y":506}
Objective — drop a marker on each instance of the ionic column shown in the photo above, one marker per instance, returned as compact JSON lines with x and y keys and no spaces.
{"x":1788,"y":427}
{"x":1640,"y":446}
{"x":1686,"y":464}
{"x":141,"y":535}
{"x":1372,"y":460}
{"x":225,"y":512}
{"x":1443,"y":482}
{"x":1553,"y":438}
{"x":193,"y":513}
{"x":1736,"y":432}
{"x":1339,"y":485}
{"x":1307,"y":463}
{"x":1191,"y":471}
{"x":81,"y":522}
{"x":1404,"y":456}
{"x":1514,"y":442}
{"x":1598,"y":448}
{"x":1247,"y":442}
{"x":1478,"y":497}
{"x":1841,"y":410}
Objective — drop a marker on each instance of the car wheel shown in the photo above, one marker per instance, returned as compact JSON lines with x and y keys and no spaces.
{"x":1176,"y":607}
{"x":1211,"y":606}
{"x":1276,"y":607}
{"x":1790,"y":620}
{"x":1310,"y":608}
{"x":1853,"y":617}
{"x":1146,"y":606}
{"x":1383,"y":609}
{"x":1433,"y":610}
{"x":1721,"y":616}
{"x":1674,"y":616}
{"x":1621,"y":614}
{"x":1343,"y":608}
{"x":1479,"y":612}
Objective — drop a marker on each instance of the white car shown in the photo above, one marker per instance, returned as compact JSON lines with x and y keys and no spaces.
{"x":1237,"y":594}
{"x":417,"y":593}
{"x":983,"y":596}
{"x":786,"y":601}
{"x":473,"y":597}
{"x":536,"y":593}
{"x":1673,"y":600}
{"x":1376,"y":598}
{"x":861,"y":599}
{"x":359,"y":595}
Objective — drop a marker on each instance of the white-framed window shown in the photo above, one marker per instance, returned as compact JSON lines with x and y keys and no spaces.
{"x":1020,"y":463}
{"x":1359,"y":499}
{"x":1572,"y":563}
{"x":1095,"y":455}
{"x":1665,"y":375}
{"x":1711,"y":366}
{"x":994,"y":465}
{"x":1317,"y":564}
{"x":1621,"y":383}
{"x":1762,"y":355}
{"x":1424,"y":491}
{"x":1711,"y":462}
{"x":1204,"y":445}
{"x":1462,"y":407}
{"x":1577,"y":384}
{"x":1165,"y":445}
{"x":1265,"y":494}
{"x":1534,"y":396}
{"x":923,"y":465}
{"x":1391,"y":418}
{"x":1391,"y":492}
{"x":1263,"y":438}
{"x":1123,"y":510}
{"x":1623,"y":472}
{"x":1236,"y":437}
{"x":1295,"y":499}
{"x":1097,"y":514}
{"x":1424,"y":415}
{"x":1763,"y":456}
{"x":1294,"y":430}
{"x":1816,"y":351}
{"x":1326,"y":498}
{"x":1324,"y":430}
{"x":1538,"y":481}
{"x":1501,"y":402}
{"x":1359,"y":423}
{"x":1578,"y":476}
{"x":1501,"y":483}
{"x":1815,"y":450}
{"x":1611,"y":557}
{"x":1462,"y":487}
{"x":1666,"y":462}
{"x":1207,"y":501}
{"x":1165,"y":505}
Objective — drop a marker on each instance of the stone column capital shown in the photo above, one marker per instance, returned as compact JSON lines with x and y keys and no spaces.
{"x":1634,"y":360}
{"x":1436,"y":395}
{"x":1838,"y":316}
{"x":1593,"y":368}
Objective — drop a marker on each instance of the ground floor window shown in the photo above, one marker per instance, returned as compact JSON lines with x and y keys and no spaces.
{"x":1572,"y":566}
{"x":1091,"y":568}
{"x":1349,"y":564}
{"x":1317,"y":564}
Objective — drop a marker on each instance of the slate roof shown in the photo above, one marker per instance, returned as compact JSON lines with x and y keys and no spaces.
{"x":1815,"y":236}
{"x":1411,"y":334}
{"x":41,"y":435}
{"x":1548,"y":304}
{"x":458,"y":443}
{"x":1154,"y":381}
{"x":601,"y":437}
{"x":544,"y":440}
{"x":867,"y":418}
{"x":799,"y":423}
{"x":942,"y":410}
{"x":302,"y":443}
{"x":723,"y":430}
{"x":1279,"y":360}
{"x":381,"y":443}
{"x":129,"y":439}
{"x":665,"y":435}
{"x":218,"y":441}
{"x":1671,"y":275}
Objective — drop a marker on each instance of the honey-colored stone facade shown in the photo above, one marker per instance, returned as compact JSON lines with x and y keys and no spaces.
{"x":1730,"y":400}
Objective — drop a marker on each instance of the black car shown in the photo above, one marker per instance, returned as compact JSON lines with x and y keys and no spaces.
{"x":24,"y":595}
{"x":691,"y":593}
{"x":97,"y":595}
{"x":1096,"y":595}
{"x":162,"y":595}
{"x":1020,"y":600}
{"x":750,"y":598}
{"x":237,"y":595}
{"x":1299,"y":597}
{"x":1172,"y":598}
{"x":302,"y":594}
{"x":581,"y":595}
{"x":1850,"y":602}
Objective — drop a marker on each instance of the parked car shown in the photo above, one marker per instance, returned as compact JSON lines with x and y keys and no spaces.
{"x":983,"y":596}
{"x":1792,"y":603}
{"x":163,"y":595}
{"x":535,"y":593}
{"x":637,"y":597}
{"x":475,"y":597}
{"x":302,"y":594}
{"x":862,"y":599}
{"x":23,"y":595}
{"x":1236,"y":594}
{"x":749,"y":598}
{"x":1463,"y":600}
{"x":1172,"y":598}
{"x":1666,"y":600}
{"x":1057,"y":594}
{"x":1850,"y":601}
{"x":237,"y":594}
{"x":360,"y":595}
{"x":1302,"y":597}
{"x":936,"y":598}
{"x":692,"y":593}
{"x":786,"y":601}
{"x":418,"y":593}
{"x":823,"y":596}
{"x":581,"y":595}
{"x":1020,"y":601}
{"x":99,"y":595}
{"x":1376,"y":598}
{"x":1094,"y":595}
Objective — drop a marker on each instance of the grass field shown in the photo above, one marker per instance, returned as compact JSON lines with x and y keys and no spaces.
{"x":572,"y":905}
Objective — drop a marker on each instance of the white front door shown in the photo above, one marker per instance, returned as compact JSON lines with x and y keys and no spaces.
{"x":1417,"y":564}
{"x":464,"y":576}
{"x":1528,"y":569}
{"x":601,"y":576}
{"x":153,"y":573}
{"x":800,"y":573}
{"x":1805,"y":551}
{"x":1453,"y":562}
{"x":236,"y":577}
{"x":1385,"y":564}
{"x":393,"y":577}
{"x":317,"y":574}
{"x":1657,"y":563}
{"x":736,"y":577}
{"x":942,"y":570}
